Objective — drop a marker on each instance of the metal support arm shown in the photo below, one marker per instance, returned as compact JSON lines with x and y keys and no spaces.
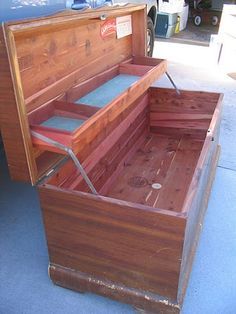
{"x":70,"y":152}
{"x":173,"y":83}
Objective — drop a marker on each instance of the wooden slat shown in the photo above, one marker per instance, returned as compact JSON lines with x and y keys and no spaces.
{"x":60,"y":108}
{"x":145,"y":60}
{"x":211,"y":137}
{"x":67,"y":17}
{"x":11,"y":132}
{"x":194,"y":95}
{"x":136,"y":247}
{"x":198,"y":193}
{"x":192,"y":124}
{"x":187,"y":113}
{"x":188,"y":102}
{"x":163,"y":116}
{"x":142,"y":301}
{"x":133,"y":69}
{"x":175,"y":186}
{"x":65,"y":59}
{"x":79,"y":109}
{"x":139,"y":30}
{"x":195,"y":220}
{"x":150,"y":164}
{"x":195,"y":133}
{"x":169,"y":162}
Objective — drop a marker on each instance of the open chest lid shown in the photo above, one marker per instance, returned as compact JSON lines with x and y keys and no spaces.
{"x":49,"y":64}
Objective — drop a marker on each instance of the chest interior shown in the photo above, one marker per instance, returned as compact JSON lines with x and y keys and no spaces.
{"x":148,"y":153}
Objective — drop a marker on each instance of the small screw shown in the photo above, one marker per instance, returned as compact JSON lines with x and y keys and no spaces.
{"x":103,"y":17}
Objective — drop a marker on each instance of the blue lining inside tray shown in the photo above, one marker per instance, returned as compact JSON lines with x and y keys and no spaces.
{"x":108,"y":91}
{"x":62,"y":123}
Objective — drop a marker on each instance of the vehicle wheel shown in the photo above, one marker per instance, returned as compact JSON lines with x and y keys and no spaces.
{"x":214,"y":20}
{"x":150,"y":36}
{"x":197,"y":20}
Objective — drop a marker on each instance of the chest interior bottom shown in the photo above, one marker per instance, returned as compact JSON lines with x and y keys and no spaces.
{"x":148,"y":154}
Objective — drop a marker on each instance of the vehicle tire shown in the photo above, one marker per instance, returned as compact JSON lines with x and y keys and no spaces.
{"x":150,"y":36}
{"x":214,"y":20}
{"x":197,"y":20}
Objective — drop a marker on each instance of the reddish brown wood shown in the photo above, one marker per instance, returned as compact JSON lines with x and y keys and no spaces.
{"x":195,"y":219}
{"x":134,"y":69}
{"x":211,"y":140}
{"x":145,"y":60}
{"x":181,"y":162}
{"x":75,"y":53}
{"x":50,"y":56}
{"x":92,"y":83}
{"x":31,"y":25}
{"x":128,"y":67}
{"x":166,"y":161}
{"x":143,"y":251}
{"x":194,"y":133}
{"x":80,"y":109}
{"x":61,"y":108}
{"x":11,"y":131}
{"x":139,"y":38}
{"x":180,"y":174}
{"x":198,"y":194}
{"x":47,"y":160}
{"x":168,"y":101}
{"x":187,"y":113}
{"x":170,"y":116}
{"x":143,"y":302}
{"x":116,"y":144}
{"x":149,"y":165}
{"x":89,"y":131}
{"x":184,"y":124}
{"x":134,"y":244}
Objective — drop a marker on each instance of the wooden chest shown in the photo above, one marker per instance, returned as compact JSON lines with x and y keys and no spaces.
{"x":126,"y":225}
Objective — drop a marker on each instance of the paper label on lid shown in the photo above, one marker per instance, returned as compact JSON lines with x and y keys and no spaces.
{"x":123,"y":26}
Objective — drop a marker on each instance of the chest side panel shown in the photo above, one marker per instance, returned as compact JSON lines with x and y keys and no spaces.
{"x":11,"y":132}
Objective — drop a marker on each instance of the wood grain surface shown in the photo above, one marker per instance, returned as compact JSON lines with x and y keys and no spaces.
{"x":134,"y":238}
{"x":134,"y":246}
{"x":10,"y":130}
{"x":167,"y":161}
{"x":43,"y":58}
{"x":133,"y":242}
{"x":90,"y":130}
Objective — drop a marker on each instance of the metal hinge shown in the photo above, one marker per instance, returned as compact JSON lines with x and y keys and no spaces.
{"x":51,"y":172}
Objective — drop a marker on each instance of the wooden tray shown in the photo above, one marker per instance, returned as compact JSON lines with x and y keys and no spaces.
{"x":112,"y":90}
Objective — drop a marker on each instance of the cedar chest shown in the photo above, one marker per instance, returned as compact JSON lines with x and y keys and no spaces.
{"x":80,"y":83}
